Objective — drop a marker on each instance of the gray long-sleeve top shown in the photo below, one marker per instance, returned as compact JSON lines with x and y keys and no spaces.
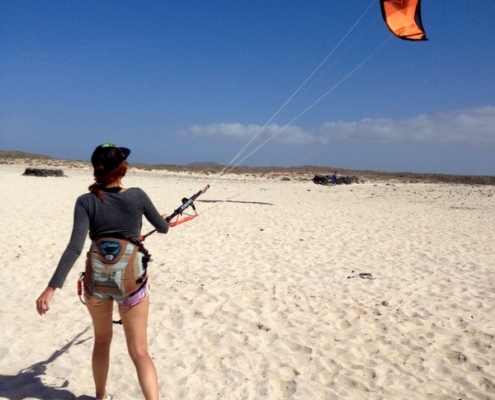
{"x":119,"y":213}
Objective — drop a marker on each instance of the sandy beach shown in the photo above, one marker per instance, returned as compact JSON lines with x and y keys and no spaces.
{"x":280,"y":289}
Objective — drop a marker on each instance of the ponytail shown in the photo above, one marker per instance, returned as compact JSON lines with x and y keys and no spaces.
{"x":103,"y":179}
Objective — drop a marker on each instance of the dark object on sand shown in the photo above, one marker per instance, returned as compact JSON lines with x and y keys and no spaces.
{"x":363,"y":275}
{"x":43,"y":172}
{"x":327,"y":180}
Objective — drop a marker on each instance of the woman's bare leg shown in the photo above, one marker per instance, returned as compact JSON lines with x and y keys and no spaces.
{"x":102,"y":323}
{"x":135,"y":322}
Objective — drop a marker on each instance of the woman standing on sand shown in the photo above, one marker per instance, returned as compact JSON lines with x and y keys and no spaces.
{"x":115,"y":265}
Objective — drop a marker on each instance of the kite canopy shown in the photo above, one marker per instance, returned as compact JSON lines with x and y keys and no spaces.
{"x":403,"y":18}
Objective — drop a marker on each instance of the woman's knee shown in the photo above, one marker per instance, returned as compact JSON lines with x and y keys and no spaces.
{"x":138,"y":354}
{"x":103,"y":338}
{"x":103,"y":342}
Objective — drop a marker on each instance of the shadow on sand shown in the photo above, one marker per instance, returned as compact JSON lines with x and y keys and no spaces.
{"x":28,"y":382}
{"x":235,"y":201}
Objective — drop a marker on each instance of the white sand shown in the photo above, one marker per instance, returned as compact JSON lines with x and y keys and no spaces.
{"x":261,"y":297}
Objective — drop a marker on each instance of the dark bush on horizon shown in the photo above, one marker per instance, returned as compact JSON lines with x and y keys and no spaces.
{"x":43,"y":172}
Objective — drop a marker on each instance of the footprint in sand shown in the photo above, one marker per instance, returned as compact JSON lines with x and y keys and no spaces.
{"x":297,"y":347}
{"x":484,"y":384}
{"x":456,"y":357}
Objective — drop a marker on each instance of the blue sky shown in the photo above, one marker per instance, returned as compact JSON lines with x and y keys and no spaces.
{"x":189,"y":81}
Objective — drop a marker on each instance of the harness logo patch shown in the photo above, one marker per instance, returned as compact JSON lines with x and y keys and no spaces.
{"x":109,"y":249}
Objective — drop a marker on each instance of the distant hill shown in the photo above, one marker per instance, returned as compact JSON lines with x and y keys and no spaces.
{"x":5,"y":154}
{"x":206,"y":163}
{"x":306,"y":172}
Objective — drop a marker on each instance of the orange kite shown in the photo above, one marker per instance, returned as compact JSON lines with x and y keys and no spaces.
{"x":403,"y":18}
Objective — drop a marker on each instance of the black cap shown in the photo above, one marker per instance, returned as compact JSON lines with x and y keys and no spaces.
{"x":109,"y":156}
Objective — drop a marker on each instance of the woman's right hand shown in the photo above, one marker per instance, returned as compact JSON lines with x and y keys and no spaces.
{"x":43,"y":302}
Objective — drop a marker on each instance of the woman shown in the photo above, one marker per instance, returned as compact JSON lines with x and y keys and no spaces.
{"x":115,"y":265}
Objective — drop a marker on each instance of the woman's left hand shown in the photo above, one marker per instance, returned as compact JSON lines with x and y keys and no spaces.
{"x":43,"y":302}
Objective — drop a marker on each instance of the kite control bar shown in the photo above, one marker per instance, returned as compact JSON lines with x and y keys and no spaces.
{"x":186,"y":202}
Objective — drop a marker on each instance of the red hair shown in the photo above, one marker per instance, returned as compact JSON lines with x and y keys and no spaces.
{"x":103,"y":179}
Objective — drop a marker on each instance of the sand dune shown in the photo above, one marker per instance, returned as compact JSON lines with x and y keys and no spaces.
{"x":290,"y":290}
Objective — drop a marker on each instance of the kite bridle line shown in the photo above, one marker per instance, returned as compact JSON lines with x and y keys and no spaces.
{"x":186,"y":203}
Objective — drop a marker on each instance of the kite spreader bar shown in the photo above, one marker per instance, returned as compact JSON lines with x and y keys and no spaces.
{"x":186,"y":203}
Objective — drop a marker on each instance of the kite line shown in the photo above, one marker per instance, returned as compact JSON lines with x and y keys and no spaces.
{"x":395,"y":20}
{"x":291,"y":97}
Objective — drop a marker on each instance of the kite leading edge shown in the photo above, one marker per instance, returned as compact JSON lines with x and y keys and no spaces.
{"x":403,"y":18}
